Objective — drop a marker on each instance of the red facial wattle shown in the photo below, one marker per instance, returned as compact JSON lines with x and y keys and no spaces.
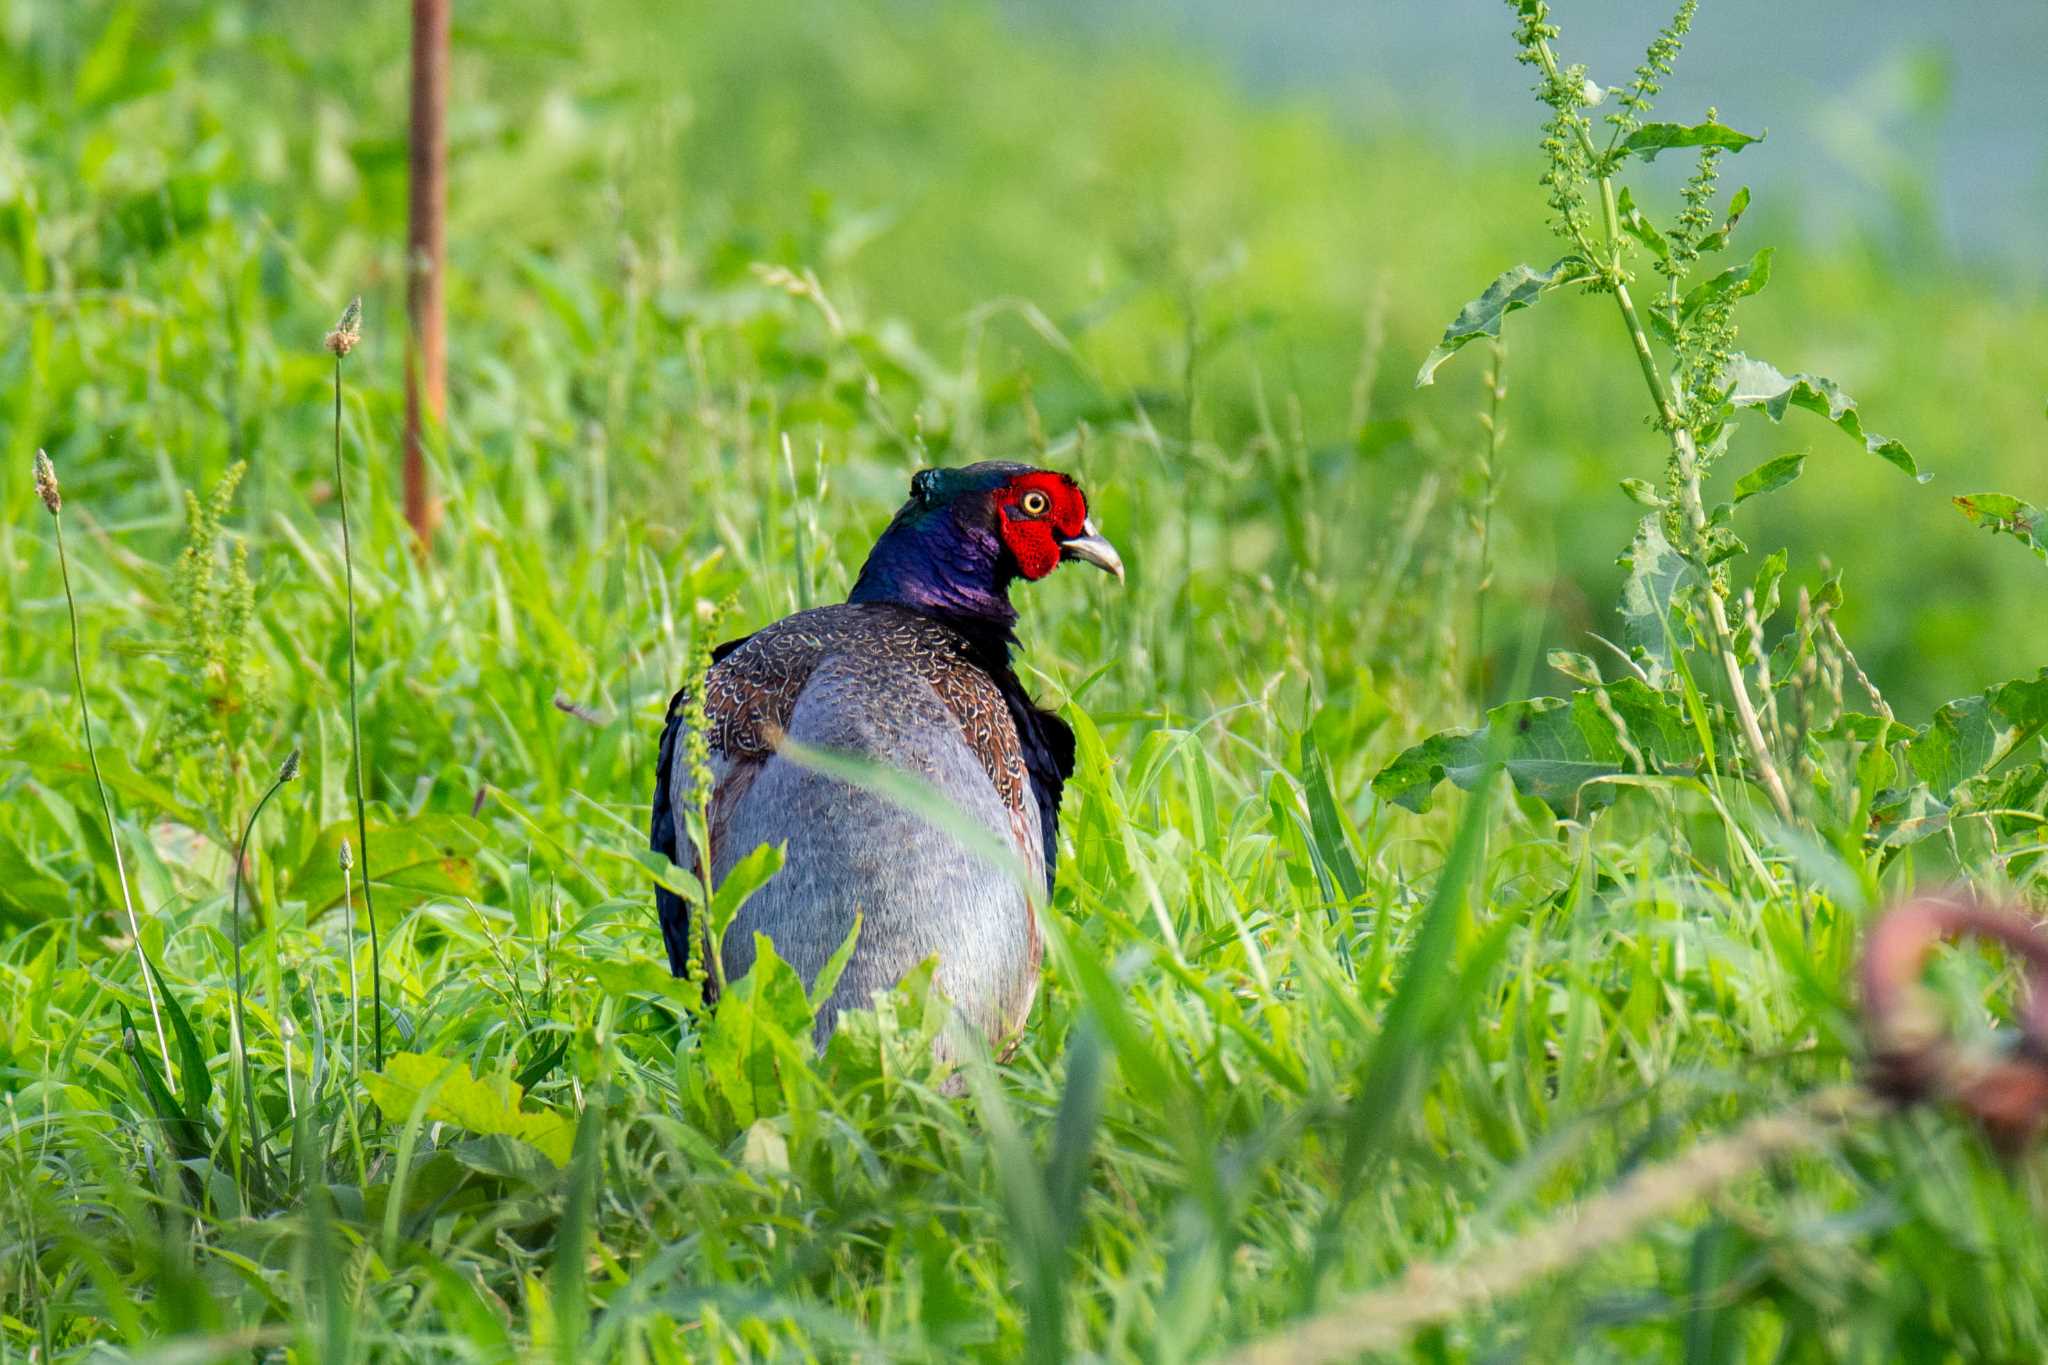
{"x":1036,"y":512}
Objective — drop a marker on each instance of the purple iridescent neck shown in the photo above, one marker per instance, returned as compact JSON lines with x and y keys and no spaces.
{"x":930,"y":561}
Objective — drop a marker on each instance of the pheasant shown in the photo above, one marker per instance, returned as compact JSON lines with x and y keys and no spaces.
{"x":912,"y":672}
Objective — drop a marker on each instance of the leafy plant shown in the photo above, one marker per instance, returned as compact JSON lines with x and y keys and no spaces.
{"x":220,"y":700}
{"x":1685,"y":618}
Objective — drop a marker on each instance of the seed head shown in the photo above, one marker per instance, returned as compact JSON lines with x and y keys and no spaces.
{"x":349,"y":330}
{"x":46,"y":483}
{"x":348,"y":856}
{"x":290,"y":771}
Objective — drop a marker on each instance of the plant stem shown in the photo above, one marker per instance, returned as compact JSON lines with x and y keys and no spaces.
{"x":1691,"y":503}
{"x":1497,"y":392}
{"x":236,"y":1032}
{"x":355,"y":728}
{"x":92,"y":757}
{"x":355,"y":1032}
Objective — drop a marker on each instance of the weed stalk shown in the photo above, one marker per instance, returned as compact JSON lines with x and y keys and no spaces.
{"x":1489,"y":485}
{"x":340,"y":342}
{"x":53,"y":500}
{"x":1685,"y":453}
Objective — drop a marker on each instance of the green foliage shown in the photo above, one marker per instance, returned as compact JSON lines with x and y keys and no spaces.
{"x":1516,"y":288}
{"x":2003,"y":514}
{"x":1291,"y":1039}
{"x":1651,"y":138}
{"x":219,"y":692}
{"x":1754,"y":384}
{"x":1556,"y":750}
{"x":1770,"y":476}
{"x":412,"y":1087}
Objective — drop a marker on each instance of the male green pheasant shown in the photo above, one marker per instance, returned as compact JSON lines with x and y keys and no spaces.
{"x":912,"y":672}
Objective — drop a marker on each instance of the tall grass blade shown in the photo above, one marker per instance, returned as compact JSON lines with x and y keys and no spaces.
{"x":341,"y":341}
{"x":52,"y":498}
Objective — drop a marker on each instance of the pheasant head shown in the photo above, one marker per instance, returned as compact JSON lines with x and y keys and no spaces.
{"x":966,"y":534}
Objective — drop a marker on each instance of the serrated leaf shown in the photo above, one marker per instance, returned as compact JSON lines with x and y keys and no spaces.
{"x":1652,"y":138}
{"x":1550,"y":746}
{"x":1514,"y":289}
{"x":1736,"y":282}
{"x":1973,"y":735}
{"x":490,"y":1105}
{"x":1752,"y":383}
{"x":1770,"y":476}
{"x":2003,"y":514}
{"x":1656,"y":572}
{"x":1905,"y":816}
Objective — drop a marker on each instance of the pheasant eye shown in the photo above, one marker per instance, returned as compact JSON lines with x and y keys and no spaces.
{"x":1034,"y":503}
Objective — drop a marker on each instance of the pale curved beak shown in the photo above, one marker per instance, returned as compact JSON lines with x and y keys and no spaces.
{"x":1090,"y":548}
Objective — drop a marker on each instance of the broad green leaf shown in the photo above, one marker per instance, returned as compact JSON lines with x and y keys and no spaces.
{"x":1770,"y":476}
{"x":762,"y":1020}
{"x":642,"y":978}
{"x":1550,"y":746}
{"x":1656,"y":572}
{"x":1973,"y":735}
{"x":1653,"y":138}
{"x":2003,"y":514}
{"x":1900,"y":817}
{"x":423,"y":857}
{"x":1736,"y":282}
{"x":490,"y":1105}
{"x":1517,"y":288}
{"x":1754,"y":383}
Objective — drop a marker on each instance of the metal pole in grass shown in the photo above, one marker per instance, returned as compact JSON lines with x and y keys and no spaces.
{"x":340,"y":342}
{"x":286,"y":773}
{"x":53,"y":500}
{"x":426,"y":254}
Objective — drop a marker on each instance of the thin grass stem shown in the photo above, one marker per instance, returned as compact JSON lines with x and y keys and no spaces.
{"x":348,"y":907}
{"x":1489,"y":475}
{"x":238,"y":1035}
{"x":341,"y":341}
{"x":46,"y":484}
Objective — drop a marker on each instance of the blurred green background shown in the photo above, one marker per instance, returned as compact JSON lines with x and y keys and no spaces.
{"x":1055,"y":202}
{"x":718,"y":277}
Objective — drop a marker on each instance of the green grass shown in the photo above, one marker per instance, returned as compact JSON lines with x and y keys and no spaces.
{"x":1291,"y":1039}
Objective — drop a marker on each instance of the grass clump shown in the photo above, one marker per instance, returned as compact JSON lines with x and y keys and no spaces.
{"x":1296,"y":1036}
